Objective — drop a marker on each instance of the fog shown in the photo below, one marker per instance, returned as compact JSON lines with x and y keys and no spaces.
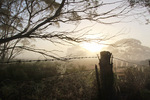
{"x":128,"y":49}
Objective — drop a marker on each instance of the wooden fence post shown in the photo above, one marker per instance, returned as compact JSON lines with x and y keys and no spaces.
{"x":98,"y":81}
{"x":106,"y":76}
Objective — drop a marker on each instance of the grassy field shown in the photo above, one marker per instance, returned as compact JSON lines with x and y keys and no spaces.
{"x":44,"y":81}
{"x":66,"y":81}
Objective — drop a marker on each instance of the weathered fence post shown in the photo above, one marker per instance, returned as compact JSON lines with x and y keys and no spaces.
{"x":106,"y":76}
{"x":98,"y":81}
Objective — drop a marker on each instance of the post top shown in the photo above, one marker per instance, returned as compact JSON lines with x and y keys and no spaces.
{"x":105,"y":56}
{"x":105,"y":53}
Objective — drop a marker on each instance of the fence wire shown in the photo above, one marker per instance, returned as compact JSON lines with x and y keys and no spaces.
{"x":67,"y":59}
{"x":130,"y":62}
{"x":60,"y":59}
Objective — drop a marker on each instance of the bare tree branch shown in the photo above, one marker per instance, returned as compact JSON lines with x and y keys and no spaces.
{"x":21,"y":19}
{"x":19,"y":35}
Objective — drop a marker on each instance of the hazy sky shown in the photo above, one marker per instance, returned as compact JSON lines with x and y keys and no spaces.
{"x":134,"y":30}
{"x":137,"y":29}
{"x":129,"y":30}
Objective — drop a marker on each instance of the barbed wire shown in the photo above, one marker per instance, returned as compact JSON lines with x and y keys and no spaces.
{"x":67,"y":59}
{"x":70,"y":58}
{"x":60,"y":59}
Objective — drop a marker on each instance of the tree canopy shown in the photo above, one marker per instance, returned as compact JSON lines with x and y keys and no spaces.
{"x":130,"y":49}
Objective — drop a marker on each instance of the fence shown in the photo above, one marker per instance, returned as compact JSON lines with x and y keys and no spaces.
{"x":45,"y":60}
{"x":104,"y":76}
{"x":119,"y":65}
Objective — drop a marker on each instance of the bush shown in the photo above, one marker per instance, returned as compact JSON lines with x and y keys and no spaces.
{"x":132,"y":87}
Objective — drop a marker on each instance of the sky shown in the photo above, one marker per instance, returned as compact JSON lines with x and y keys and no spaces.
{"x":134,"y":30}
{"x":137,"y":29}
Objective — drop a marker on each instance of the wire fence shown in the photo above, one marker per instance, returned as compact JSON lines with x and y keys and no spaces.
{"x":70,"y":58}
{"x":84,"y":73}
{"x":115,"y":66}
{"x":130,"y":62}
{"x":60,"y":59}
{"x":88,"y":71}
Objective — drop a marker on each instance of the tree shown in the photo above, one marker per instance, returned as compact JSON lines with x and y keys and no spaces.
{"x":5,"y":30}
{"x":28,"y":19}
{"x":8,"y":23}
{"x":144,"y":3}
{"x":130,"y":50}
{"x":141,"y":5}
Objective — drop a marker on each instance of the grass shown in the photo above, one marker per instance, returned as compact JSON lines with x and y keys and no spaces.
{"x":42,"y":81}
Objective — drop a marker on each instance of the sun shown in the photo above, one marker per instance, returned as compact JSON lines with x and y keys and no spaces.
{"x":92,"y":47}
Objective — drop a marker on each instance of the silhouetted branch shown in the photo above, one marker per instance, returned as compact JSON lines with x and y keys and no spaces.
{"x":37,"y":19}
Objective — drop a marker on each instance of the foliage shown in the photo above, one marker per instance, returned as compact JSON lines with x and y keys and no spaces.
{"x":23,"y":71}
{"x":145,"y":3}
{"x":42,"y":81}
{"x":134,"y":86}
{"x":130,"y":50}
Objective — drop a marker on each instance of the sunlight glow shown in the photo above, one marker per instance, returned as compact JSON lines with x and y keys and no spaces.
{"x":92,"y":47}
